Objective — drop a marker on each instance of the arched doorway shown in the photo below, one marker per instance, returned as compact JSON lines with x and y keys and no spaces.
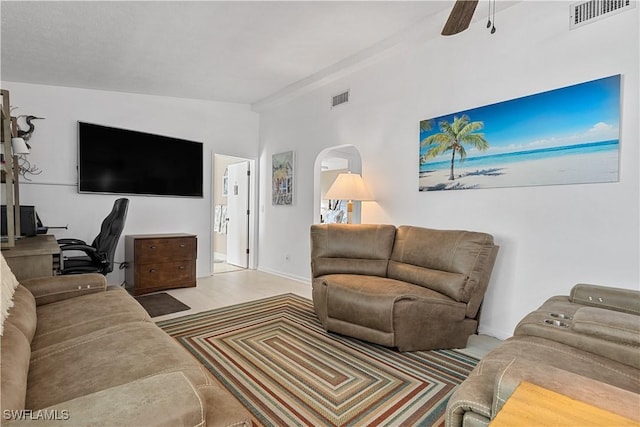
{"x":329,"y":163}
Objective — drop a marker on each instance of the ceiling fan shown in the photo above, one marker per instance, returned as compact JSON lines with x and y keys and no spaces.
{"x":460,"y":17}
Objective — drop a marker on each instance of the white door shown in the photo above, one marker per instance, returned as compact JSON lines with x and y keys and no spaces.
{"x":238,"y":215}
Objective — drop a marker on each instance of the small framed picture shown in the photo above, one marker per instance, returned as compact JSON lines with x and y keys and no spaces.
{"x":282,"y":179}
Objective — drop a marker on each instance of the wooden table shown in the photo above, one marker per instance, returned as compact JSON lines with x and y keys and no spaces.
{"x":35,"y":256}
{"x":532,"y":405}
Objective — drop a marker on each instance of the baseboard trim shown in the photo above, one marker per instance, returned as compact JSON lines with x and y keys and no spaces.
{"x":304,"y":280}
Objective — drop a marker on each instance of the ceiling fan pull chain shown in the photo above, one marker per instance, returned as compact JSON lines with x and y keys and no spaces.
{"x":493,"y":28}
{"x":489,"y":15}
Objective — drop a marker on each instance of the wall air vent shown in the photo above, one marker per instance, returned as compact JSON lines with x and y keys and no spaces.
{"x":339,"y":99}
{"x":586,"y":12}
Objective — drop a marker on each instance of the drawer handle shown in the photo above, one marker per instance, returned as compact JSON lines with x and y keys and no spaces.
{"x":153,"y":247}
{"x":181,"y":267}
{"x":182,"y":245}
{"x":153,"y":270}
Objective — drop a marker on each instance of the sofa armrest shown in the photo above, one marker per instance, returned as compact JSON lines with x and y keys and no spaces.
{"x":470,"y":402}
{"x":161,"y":400}
{"x":57,"y":288}
{"x":593,"y":392}
{"x":617,"y":299}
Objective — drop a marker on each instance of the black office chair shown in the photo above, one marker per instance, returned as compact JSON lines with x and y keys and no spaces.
{"x":99,"y":256}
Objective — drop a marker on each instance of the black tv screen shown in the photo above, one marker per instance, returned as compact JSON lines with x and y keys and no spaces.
{"x":112,"y":160}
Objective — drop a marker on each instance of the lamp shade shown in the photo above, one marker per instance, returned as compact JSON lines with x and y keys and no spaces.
{"x":19,"y":146}
{"x":348,"y":186}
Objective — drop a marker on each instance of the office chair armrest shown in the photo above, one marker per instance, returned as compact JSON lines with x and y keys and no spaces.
{"x":57,"y":288}
{"x":78,"y":247}
{"x":71,"y":242}
{"x":89,"y":250}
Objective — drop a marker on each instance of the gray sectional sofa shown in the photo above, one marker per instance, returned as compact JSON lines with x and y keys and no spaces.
{"x":75,"y":353}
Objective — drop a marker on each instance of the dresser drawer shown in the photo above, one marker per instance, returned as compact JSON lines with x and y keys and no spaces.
{"x":164,"y":250}
{"x":167,"y":274}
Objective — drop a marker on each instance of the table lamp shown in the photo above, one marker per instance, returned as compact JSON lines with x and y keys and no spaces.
{"x":350,"y":187}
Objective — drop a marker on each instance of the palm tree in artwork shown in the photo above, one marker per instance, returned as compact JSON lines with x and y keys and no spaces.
{"x":452,"y":137}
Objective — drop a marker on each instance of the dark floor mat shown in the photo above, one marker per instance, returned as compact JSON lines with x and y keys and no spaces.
{"x":161,"y":304}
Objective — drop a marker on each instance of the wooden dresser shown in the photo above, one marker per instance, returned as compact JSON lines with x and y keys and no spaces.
{"x":160,"y":261}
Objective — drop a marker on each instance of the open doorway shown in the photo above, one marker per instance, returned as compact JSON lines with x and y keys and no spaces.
{"x":233,"y":207}
{"x":329,"y":163}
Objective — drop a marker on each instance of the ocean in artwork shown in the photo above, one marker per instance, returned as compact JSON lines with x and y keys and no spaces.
{"x":523,"y":156}
{"x":592,"y":162}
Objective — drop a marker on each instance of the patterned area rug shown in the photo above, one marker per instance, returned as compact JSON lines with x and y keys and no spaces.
{"x":274,"y":355}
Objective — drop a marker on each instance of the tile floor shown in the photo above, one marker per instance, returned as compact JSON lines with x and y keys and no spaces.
{"x":223,"y":267}
{"x":235,"y":287}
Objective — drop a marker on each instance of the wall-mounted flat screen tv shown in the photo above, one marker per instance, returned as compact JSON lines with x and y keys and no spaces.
{"x":112,"y":160}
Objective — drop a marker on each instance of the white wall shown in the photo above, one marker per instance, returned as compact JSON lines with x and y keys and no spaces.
{"x":551,"y":237}
{"x":222,"y":127}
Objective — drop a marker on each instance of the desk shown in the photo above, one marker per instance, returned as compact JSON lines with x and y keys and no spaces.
{"x":532,"y":405}
{"x":35,"y":256}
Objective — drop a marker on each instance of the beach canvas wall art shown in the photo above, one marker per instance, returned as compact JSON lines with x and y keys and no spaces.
{"x":282,"y":178}
{"x":563,"y":136}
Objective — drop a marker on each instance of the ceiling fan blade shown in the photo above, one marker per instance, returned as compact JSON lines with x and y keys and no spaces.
{"x":460,"y":17}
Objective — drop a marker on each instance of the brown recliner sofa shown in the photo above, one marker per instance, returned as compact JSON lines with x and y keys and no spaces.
{"x":408,"y":287}
{"x":75,"y":353}
{"x":585,"y":345}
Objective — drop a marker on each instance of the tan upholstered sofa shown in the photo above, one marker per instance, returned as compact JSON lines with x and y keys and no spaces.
{"x":585,"y":346}
{"x":76,"y":353}
{"x":408,"y":287}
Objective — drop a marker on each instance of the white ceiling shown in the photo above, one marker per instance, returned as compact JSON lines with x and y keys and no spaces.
{"x":231,"y":51}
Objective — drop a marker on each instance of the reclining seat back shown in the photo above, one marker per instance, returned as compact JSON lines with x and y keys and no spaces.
{"x":455,"y":263}
{"x":349,"y":249}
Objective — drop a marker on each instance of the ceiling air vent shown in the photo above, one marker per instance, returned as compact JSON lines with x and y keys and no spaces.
{"x":339,"y":99}
{"x":590,"y":11}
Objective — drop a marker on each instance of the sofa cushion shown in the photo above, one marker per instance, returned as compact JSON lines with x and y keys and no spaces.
{"x":169,"y":399}
{"x":344,"y":248}
{"x":74,"y":317}
{"x":103,"y":359}
{"x":467,"y":253}
{"x":578,"y":387}
{"x":369,"y":300}
{"x":544,"y":352}
{"x":608,"y":325}
{"x":608,"y":333}
{"x":450,"y":284}
{"x":14,"y":365}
